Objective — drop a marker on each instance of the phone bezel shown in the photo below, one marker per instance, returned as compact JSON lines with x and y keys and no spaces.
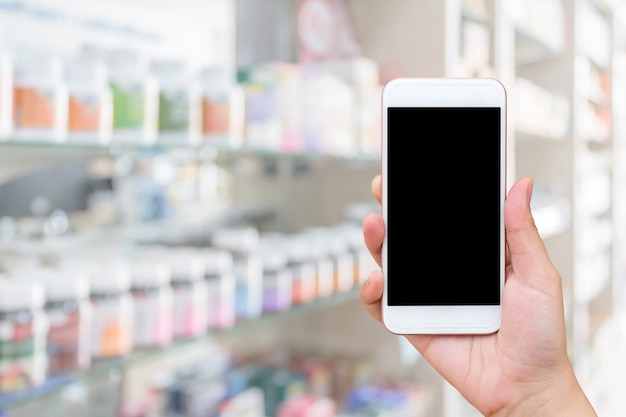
{"x":443,"y":92}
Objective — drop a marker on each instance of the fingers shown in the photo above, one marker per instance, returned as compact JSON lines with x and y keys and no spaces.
{"x":371,"y":294}
{"x":526,"y":250}
{"x":373,"y":235}
{"x":373,"y":224}
{"x":377,"y":187}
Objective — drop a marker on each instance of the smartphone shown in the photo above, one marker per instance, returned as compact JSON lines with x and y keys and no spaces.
{"x":443,"y":190}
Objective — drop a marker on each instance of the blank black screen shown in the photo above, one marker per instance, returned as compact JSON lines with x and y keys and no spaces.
{"x":443,"y":206}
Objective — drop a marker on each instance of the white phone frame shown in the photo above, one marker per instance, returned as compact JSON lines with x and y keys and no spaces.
{"x":443,"y":92}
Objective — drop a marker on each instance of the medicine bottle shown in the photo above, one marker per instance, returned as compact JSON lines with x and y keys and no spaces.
{"x":39,"y":95}
{"x":23,"y":327}
{"x":329,"y":243}
{"x":89,"y":98}
{"x":303,"y":268}
{"x":364,"y":263}
{"x":135,"y":96}
{"x":243,"y":243}
{"x":112,"y":304}
{"x":6,"y":97}
{"x":152,"y":302}
{"x":220,"y":278}
{"x":190,"y":293}
{"x":277,"y":277}
{"x":69,"y":313}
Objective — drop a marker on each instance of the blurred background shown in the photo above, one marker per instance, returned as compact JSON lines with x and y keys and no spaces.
{"x":182,"y":186}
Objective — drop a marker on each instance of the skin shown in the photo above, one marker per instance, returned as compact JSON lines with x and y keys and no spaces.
{"x":523,"y":369}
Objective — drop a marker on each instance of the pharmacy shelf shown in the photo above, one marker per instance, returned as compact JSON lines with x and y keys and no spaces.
{"x":530,"y":48}
{"x":209,"y":148}
{"x":101,"y":368}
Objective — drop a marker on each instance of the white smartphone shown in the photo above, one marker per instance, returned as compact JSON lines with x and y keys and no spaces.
{"x":443,"y":190}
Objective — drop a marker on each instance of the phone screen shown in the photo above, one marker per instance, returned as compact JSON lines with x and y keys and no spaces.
{"x":443,"y":206}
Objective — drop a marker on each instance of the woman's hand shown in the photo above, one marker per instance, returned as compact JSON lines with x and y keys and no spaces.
{"x":523,"y":369}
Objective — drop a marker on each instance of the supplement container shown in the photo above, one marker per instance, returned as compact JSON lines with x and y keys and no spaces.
{"x":112,"y":304}
{"x":220,"y":278}
{"x":135,"y":97}
{"x":364,"y":263}
{"x":243,"y":243}
{"x":6,"y":94}
{"x":174,"y":100}
{"x":328,"y":243}
{"x":190,"y":293}
{"x":304,"y":269}
{"x":152,"y":302}
{"x":277,"y":282}
{"x":39,"y":96}
{"x":23,"y":328}
{"x":70,"y":318}
{"x":216,"y":101}
{"x":90,"y":107}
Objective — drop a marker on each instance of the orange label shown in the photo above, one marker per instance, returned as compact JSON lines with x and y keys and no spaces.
{"x":115,"y":340}
{"x":83,"y":116}
{"x":215,"y":116}
{"x":32,"y":108}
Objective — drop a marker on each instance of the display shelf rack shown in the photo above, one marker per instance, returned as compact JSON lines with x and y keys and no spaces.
{"x":42,"y":149}
{"x":101,"y":368}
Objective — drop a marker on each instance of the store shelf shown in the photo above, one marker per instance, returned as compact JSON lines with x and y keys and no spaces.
{"x":563,"y":52}
{"x":275,"y":177}
{"x":208,"y":148}
{"x":101,"y":368}
{"x":530,"y":48}
{"x":539,"y":31}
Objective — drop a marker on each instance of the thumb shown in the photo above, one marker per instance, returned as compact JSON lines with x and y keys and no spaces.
{"x":527,"y":252}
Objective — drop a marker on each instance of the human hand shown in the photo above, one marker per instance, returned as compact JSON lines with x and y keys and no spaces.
{"x":523,"y":369}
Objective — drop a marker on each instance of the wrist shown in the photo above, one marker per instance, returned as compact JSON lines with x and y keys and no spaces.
{"x":562,"y":397}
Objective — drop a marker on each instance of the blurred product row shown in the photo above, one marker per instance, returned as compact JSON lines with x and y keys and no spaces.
{"x":277,"y":383}
{"x":63,"y":310}
{"x":105,"y":97}
{"x":284,"y":386}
